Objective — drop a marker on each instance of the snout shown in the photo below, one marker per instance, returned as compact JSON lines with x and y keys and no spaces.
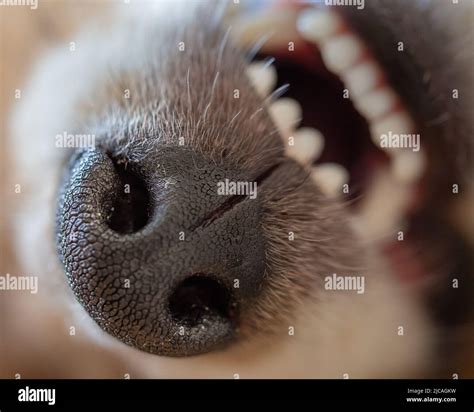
{"x":156,"y":254}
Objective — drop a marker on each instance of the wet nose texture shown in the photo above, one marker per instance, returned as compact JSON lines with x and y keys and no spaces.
{"x":155,"y":255}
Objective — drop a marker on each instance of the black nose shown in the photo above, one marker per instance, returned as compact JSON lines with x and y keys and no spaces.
{"x":155,"y":253}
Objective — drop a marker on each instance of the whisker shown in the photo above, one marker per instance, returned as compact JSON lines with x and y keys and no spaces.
{"x":277,"y":93}
{"x":255,"y":49}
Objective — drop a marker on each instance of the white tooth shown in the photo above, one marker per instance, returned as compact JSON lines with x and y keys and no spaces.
{"x":308,"y":145}
{"x":396,"y":123}
{"x":286,"y":114}
{"x":330,"y":177}
{"x":341,"y":52}
{"x":408,"y":166}
{"x":382,"y":208}
{"x":315,"y":25}
{"x":263,"y":77}
{"x":279,"y":25}
{"x":377,"y":103}
{"x":362,"y":78}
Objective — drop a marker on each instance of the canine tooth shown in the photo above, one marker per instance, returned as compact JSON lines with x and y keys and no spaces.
{"x":397,"y":123}
{"x":408,"y":166}
{"x":362,"y":78}
{"x":376,"y":103}
{"x":341,"y":52}
{"x":330,"y":177}
{"x":286,"y":113}
{"x":315,"y":25}
{"x":308,"y":145}
{"x":263,"y":77}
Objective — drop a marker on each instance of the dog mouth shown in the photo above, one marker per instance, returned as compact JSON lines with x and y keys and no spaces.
{"x":341,"y":118}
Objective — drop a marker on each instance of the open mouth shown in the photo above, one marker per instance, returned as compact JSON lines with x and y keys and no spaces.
{"x":340,"y":119}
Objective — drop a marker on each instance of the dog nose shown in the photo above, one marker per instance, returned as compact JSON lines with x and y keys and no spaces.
{"x":157,"y":256}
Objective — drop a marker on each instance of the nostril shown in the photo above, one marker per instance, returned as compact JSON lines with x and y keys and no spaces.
{"x":131,"y":208}
{"x":154,"y":290}
{"x":200,"y":298}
